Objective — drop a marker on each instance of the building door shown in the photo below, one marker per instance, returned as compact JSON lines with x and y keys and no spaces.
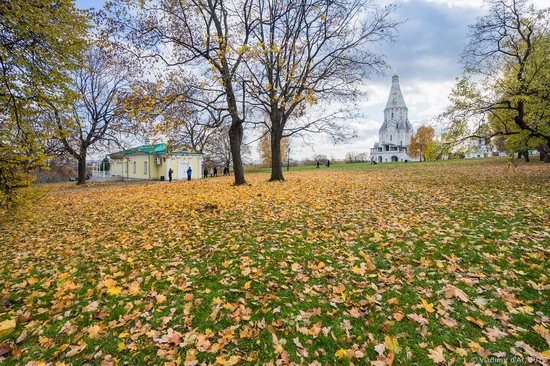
{"x":394,"y":159}
{"x":182,"y":171}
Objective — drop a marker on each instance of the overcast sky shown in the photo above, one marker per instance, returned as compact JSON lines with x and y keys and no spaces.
{"x":426,"y":58}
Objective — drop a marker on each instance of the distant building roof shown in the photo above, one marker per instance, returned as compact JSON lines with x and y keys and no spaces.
{"x":153,"y":149}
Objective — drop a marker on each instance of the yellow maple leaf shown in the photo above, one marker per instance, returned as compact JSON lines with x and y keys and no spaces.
{"x":114,"y":290}
{"x":392,"y":344}
{"x":480,"y":323}
{"x":427,"y":306}
{"x":7,"y":326}
{"x":474,"y":346}
{"x":341,"y":353}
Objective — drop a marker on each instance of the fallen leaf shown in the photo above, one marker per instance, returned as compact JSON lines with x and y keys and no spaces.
{"x":341,"y":353}
{"x":7,"y":327}
{"x":427,"y":306}
{"x":452,"y":291}
{"x":437,"y":355}
{"x":480,"y":323}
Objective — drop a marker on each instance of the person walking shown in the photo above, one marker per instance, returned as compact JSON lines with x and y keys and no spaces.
{"x":328,"y":163}
{"x":226,"y":170}
{"x":170,"y":172}
{"x":189,"y":173}
{"x":317,"y":164}
{"x":205,"y":172}
{"x":215,"y":171}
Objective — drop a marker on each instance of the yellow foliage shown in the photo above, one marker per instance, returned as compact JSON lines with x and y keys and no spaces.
{"x":7,"y":327}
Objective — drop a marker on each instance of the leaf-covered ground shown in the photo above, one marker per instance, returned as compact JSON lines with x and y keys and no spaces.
{"x":407,"y":265}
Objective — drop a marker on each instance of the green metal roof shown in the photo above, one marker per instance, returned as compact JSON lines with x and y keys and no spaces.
{"x":151,"y":149}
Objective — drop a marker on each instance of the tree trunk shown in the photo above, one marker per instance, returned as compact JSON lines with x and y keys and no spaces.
{"x":276,"y":164}
{"x":526,"y":155}
{"x":235,"y":140}
{"x":81,"y":169}
{"x":545,"y":151}
{"x":276,"y":137}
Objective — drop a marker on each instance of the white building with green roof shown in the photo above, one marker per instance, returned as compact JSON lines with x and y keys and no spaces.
{"x":154,"y":161}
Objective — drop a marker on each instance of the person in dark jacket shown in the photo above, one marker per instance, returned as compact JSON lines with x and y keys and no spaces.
{"x":317,"y":164}
{"x":205,"y":172}
{"x":170,"y":172}
{"x":226,"y":170}
{"x":328,"y":163}
{"x":215,"y":172}
{"x":189,"y":173}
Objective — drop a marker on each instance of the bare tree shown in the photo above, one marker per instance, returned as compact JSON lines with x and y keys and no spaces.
{"x":308,"y":51}
{"x":186,"y":125}
{"x":217,"y":148}
{"x":193,"y":133}
{"x":95,"y":116}
{"x":209,"y":34}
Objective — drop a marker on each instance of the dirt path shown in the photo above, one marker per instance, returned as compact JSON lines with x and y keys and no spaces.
{"x":106,"y":185}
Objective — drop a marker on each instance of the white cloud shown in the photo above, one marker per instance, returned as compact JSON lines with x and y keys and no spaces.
{"x":477,"y":3}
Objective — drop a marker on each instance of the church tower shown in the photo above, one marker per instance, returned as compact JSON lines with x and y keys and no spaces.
{"x":395,"y":134}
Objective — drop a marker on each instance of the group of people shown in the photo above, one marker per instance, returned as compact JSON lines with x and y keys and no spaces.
{"x":214,"y":172}
{"x":205,"y":172}
{"x":327,"y":164}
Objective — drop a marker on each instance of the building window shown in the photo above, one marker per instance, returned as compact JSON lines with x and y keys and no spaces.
{"x":144,"y":167}
{"x":390,"y":137}
{"x":134,"y":167}
{"x":391,"y":114}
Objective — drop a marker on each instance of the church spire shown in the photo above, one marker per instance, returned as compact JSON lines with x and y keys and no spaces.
{"x":396,"y":111}
{"x":395,"y":99}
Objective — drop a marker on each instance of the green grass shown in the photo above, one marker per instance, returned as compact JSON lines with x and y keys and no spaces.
{"x":269,"y":259}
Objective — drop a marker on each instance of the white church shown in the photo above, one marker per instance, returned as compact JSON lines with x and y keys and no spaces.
{"x":395,"y":134}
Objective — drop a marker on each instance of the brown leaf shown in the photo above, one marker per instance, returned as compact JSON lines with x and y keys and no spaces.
{"x":418,"y":318}
{"x":437,"y":355}
{"x":452,"y":291}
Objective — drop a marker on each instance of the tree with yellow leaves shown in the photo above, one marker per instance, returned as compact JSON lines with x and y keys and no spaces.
{"x":264,"y":148}
{"x":421,"y":141}
{"x":41,"y":44}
